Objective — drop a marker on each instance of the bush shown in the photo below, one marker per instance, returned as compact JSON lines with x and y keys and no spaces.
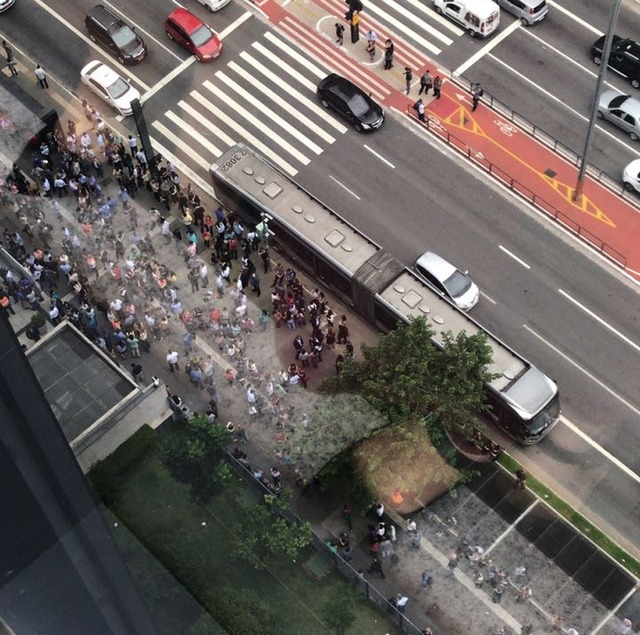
{"x":107,"y":476}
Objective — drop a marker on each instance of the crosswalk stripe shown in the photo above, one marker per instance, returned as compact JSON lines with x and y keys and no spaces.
{"x":293,"y":111}
{"x":190,"y":130}
{"x":267,"y":112}
{"x":447,"y":41}
{"x":278,"y":61}
{"x":258,"y":123}
{"x":225,"y":138}
{"x":403,"y":28}
{"x":332,"y":62}
{"x":196,"y":179}
{"x":318,"y":72}
{"x":179,"y":143}
{"x":291,"y":91}
{"x":243,"y":132}
{"x":433,"y":15}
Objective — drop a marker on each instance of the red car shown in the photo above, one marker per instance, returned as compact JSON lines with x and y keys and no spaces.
{"x":193,"y":34}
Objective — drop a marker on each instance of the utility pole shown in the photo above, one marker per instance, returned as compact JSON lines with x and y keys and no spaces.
{"x":606,"y":52}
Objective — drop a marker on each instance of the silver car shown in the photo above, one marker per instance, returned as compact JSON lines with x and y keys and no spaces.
{"x":622,"y":110}
{"x":448,"y":280}
{"x":528,"y":11}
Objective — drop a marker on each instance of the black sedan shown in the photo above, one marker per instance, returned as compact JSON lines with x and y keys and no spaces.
{"x":110,"y":32}
{"x":351,"y":102}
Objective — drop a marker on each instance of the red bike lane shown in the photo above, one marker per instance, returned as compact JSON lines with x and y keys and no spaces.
{"x":601,"y":218}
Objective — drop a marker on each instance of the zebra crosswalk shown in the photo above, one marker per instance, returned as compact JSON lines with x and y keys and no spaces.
{"x":265,"y":97}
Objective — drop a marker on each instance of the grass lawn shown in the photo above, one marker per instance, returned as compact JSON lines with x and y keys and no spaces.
{"x":195,"y":544}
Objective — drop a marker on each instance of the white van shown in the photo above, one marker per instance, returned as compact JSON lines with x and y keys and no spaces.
{"x":480,"y":18}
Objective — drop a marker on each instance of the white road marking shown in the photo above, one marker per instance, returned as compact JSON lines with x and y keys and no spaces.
{"x":600,"y":321}
{"x":168,"y":78}
{"x":575,"y":364}
{"x":269,"y":94}
{"x":182,"y":145}
{"x":301,"y":59}
{"x":296,"y":133}
{"x":393,"y":167}
{"x":344,"y":187}
{"x":276,"y":79}
{"x":84,"y":38}
{"x":278,"y":62}
{"x":146,"y":33}
{"x":257,"y":122}
{"x":243,"y":133}
{"x":183,"y":126}
{"x":206,"y":122}
{"x":511,"y":255}
{"x":485,"y":49}
{"x":434,"y":15}
{"x":574,"y":17}
{"x":488,"y":297}
{"x":423,"y":26}
{"x":234,"y":25}
{"x":511,"y":527}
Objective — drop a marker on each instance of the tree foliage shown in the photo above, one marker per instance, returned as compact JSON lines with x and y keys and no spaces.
{"x":406,"y":377}
{"x":194,"y":456}
{"x":339,"y":611}
{"x":265,"y":534}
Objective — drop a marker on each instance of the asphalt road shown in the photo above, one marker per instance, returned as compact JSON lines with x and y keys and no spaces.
{"x":562,"y":309}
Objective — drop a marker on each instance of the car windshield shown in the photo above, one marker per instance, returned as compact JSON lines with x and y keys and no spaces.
{"x":201,"y":36}
{"x":118,"y":88}
{"x":457,"y":284}
{"x":123,"y":37}
{"x":358,"y":105}
{"x":545,"y":418}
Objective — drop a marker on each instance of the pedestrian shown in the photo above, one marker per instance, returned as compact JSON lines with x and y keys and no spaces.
{"x":521,"y":478}
{"x":420,"y":110}
{"x":408,"y":77}
{"x":255,"y":283}
{"x":476,"y":93}
{"x":389,"y":49}
{"x":372,"y":36}
{"x":172,"y":360}
{"x":133,"y":145}
{"x":187,"y":342}
{"x":453,"y":562}
{"x":426,"y":579}
{"x":11,"y":63}
{"x":626,"y":627}
{"x":371,"y":50}
{"x":376,"y":567}
{"x":41,"y":76}
{"x":343,"y":330}
{"x":426,"y":83}
{"x":437,"y":85}
{"x":339,"y":33}
{"x":136,"y":371}
{"x":400,"y":602}
{"x":134,"y":345}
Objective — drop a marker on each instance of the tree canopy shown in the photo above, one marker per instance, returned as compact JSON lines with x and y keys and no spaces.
{"x":405,"y":376}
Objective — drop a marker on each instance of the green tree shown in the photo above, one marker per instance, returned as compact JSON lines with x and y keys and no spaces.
{"x":339,"y":611}
{"x":406,"y":377}
{"x":194,"y":455}
{"x":265,"y":534}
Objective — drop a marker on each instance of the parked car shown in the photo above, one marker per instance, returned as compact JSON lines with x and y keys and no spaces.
{"x":5,"y":4}
{"x":351,"y":102}
{"x":448,"y":280}
{"x":528,"y":11}
{"x":631,"y":176}
{"x":110,"y":32}
{"x":193,"y":34}
{"x":480,"y":18}
{"x":624,"y":58}
{"x":214,"y":5}
{"x":621,"y":110}
{"x":110,"y":86}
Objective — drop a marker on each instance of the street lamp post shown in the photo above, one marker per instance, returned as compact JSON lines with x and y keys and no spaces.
{"x":606,"y":51}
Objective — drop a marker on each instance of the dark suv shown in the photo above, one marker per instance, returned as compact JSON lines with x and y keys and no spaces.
{"x":110,"y":32}
{"x":624,"y":58}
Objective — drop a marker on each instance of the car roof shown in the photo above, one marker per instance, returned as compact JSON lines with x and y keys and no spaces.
{"x":186,"y":19}
{"x":630,"y":105}
{"x":103,"y":16}
{"x":100,"y":72}
{"x":442,"y":269}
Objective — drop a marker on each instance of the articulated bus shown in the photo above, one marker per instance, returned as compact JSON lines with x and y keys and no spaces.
{"x":523,"y":401}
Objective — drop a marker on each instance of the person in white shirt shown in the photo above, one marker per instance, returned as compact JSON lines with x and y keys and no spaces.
{"x":172,"y":360}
